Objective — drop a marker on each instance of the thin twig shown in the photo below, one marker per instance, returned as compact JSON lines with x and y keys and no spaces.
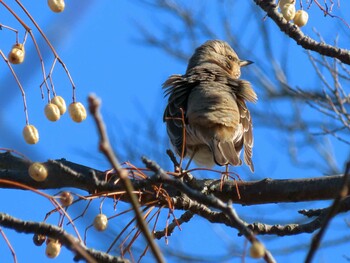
{"x":9,"y":245}
{"x":11,"y":29}
{"x":184,"y":218}
{"x":106,"y":149}
{"x":51,"y":47}
{"x":295,"y":229}
{"x":19,"y":85}
{"x":29,"y":30}
{"x":343,"y":192}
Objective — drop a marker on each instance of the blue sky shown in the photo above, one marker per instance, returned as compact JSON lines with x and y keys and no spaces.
{"x":102,"y":48}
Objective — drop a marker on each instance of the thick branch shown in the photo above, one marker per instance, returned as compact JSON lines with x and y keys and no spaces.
{"x":294,"y":32}
{"x":15,"y":169}
{"x":294,"y":229}
{"x":55,"y":232}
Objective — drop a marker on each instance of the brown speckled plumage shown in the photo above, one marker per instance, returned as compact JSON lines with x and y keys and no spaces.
{"x":212,"y":97}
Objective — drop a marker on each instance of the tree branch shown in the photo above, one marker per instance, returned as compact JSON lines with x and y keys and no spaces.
{"x":206,"y":200}
{"x":294,"y":32}
{"x":333,"y":210}
{"x":63,"y":173}
{"x":58,"y":233}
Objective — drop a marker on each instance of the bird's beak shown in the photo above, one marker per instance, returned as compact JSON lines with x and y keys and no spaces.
{"x":244,"y":63}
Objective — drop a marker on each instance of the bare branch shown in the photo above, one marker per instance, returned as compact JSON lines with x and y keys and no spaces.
{"x":209,"y":200}
{"x":294,"y":32}
{"x":65,"y":239}
{"x":105,"y":147}
{"x":342,"y":193}
{"x":62,"y":173}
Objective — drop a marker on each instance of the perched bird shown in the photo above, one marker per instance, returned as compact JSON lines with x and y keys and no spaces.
{"x":206,"y":111}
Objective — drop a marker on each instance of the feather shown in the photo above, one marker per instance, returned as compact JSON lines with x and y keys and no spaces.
{"x":228,"y":153}
{"x":211,"y":99}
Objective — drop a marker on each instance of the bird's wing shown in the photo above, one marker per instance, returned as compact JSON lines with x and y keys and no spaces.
{"x":178,"y":88}
{"x":245,"y":92}
{"x":248,"y":139}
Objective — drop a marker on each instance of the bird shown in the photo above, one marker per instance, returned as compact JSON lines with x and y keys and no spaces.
{"x":206,"y":114}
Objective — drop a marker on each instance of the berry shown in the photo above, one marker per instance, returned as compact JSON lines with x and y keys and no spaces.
{"x":60,"y":103}
{"x":38,"y":239}
{"x":30,"y":134}
{"x":101,"y":222}
{"x":38,"y":172}
{"x":281,"y":3}
{"x":257,"y":250}
{"x":53,"y":249}
{"x":288,"y":11}
{"x":77,"y":111}
{"x":301,"y":17}
{"x":56,"y":6}
{"x":52,"y":112}
{"x":66,"y":198}
{"x":17,"y":53}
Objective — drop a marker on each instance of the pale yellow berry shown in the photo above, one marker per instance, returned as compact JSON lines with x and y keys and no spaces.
{"x":288,"y":11}
{"x":257,"y":250}
{"x":53,"y":249}
{"x":37,"y":171}
{"x":301,"y":17}
{"x":56,"y":6}
{"x":77,"y":111}
{"x":66,"y":198}
{"x":60,"y":103}
{"x":101,"y":222}
{"x":52,"y":112}
{"x":17,"y":53}
{"x":30,"y":134}
{"x":281,"y":3}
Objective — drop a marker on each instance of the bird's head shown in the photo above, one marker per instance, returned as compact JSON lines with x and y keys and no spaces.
{"x":220,"y":53}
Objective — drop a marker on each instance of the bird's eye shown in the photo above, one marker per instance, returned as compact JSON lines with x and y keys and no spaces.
{"x":230,"y":57}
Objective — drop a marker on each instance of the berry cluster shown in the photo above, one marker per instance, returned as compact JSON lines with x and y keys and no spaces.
{"x":56,"y":106}
{"x":299,"y":17}
{"x":53,"y":112}
{"x":54,"y":109}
